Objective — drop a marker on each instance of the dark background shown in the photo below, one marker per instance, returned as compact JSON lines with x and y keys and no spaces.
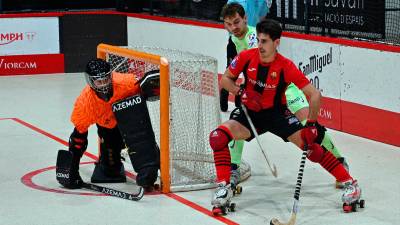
{"x":381,"y":18}
{"x":80,"y":35}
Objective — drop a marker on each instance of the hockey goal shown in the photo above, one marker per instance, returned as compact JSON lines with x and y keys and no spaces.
{"x":185,"y":115}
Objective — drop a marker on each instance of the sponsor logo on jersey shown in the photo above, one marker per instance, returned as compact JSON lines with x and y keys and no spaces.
{"x":128,"y":103}
{"x":273,"y":75}
{"x":234,"y":62}
{"x":251,"y":69}
{"x":262,"y":84}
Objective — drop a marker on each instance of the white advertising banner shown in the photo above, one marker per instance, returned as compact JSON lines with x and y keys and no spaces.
{"x":371,"y":78}
{"x":320,"y":62}
{"x":24,"y":36}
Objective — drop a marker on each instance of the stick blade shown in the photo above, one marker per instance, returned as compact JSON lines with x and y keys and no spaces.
{"x":275,"y":171}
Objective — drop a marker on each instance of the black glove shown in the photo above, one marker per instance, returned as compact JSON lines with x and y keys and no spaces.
{"x":67,"y":170}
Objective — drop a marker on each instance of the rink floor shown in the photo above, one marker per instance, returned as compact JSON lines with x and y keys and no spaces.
{"x":34,"y":124}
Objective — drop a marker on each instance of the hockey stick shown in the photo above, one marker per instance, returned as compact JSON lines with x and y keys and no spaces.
{"x":115,"y":193}
{"x":273,"y":170}
{"x":295,"y":207}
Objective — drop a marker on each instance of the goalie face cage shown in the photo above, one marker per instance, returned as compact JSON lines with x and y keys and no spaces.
{"x":184,"y":116}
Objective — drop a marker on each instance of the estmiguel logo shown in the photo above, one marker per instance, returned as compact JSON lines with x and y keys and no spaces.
{"x":7,"y":38}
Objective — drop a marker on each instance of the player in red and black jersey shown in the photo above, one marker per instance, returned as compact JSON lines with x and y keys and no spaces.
{"x":267,"y":74}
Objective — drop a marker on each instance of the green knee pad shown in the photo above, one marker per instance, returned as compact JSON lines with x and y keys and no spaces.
{"x":328,"y":144}
{"x":236,"y":149}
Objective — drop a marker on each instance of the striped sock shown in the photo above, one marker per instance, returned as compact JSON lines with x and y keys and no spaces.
{"x":330,"y":163}
{"x":222,"y":156}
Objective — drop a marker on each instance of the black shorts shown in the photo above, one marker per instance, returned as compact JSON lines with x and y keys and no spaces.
{"x":279,"y":121}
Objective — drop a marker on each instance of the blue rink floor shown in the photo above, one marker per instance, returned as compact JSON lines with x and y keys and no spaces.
{"x":34,"y":124}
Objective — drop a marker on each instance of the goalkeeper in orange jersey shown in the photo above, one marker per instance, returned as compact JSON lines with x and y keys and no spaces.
{"x":115,"y":102}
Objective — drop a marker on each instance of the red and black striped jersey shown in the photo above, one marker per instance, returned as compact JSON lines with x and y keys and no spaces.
{"x":267,"y":79}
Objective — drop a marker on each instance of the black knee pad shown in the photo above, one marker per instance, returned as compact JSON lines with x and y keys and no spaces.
{"x":235,"y":113}
{"x":321,"y":133}
{"x":147,"y":176}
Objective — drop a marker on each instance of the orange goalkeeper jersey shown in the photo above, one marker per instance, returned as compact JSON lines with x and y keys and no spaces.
{"x":90,"y":109}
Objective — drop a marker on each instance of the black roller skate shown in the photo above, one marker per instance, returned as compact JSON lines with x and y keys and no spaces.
{"x":222,"y":200}
{"x":352,"y":197}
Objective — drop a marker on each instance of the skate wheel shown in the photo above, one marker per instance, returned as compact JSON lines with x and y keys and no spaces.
{"x":362,"y":203}
{"x":354,"y":207}
{"x":346,"y":208}
{"x":216,"y":211}
{"x":232,"y":207}
{"x":223,"y":209}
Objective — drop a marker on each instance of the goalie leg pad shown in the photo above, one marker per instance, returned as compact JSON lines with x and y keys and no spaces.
{"x":67,"y":170}
{"x":135,"y":126}
{"x":109,"y":168}
{"x":147,"y":176}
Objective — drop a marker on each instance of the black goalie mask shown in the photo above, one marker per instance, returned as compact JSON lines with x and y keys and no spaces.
{"x":98,"y":75}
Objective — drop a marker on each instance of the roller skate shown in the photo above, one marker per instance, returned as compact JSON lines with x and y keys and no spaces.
{"x":222,"y":199}
{"x":340,"y":185}
{"x":352,"y":196}
{"x":235,"y":180}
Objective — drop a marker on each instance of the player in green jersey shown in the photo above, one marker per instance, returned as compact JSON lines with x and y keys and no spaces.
{"x":244,"y":37}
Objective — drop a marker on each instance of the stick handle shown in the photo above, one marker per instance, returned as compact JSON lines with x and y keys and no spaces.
{"x":300,"y":174}
{"x":271,"y":166}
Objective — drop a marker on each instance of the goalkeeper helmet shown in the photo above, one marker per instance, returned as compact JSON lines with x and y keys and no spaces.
{"x":98,"y":76}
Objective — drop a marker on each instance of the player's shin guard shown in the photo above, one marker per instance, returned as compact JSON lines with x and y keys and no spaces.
{"x":236,"y":150}
{"x":328,"y":144}
{"x":219,"y":139}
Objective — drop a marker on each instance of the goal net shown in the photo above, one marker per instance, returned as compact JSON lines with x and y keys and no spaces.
{"x":187,"y":112}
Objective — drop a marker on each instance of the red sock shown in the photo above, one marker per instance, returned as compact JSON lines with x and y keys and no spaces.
{"x":330,"y":163}
{"x":219,"y":140}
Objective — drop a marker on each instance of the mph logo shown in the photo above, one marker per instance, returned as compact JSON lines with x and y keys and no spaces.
{"x":8,"y":38}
